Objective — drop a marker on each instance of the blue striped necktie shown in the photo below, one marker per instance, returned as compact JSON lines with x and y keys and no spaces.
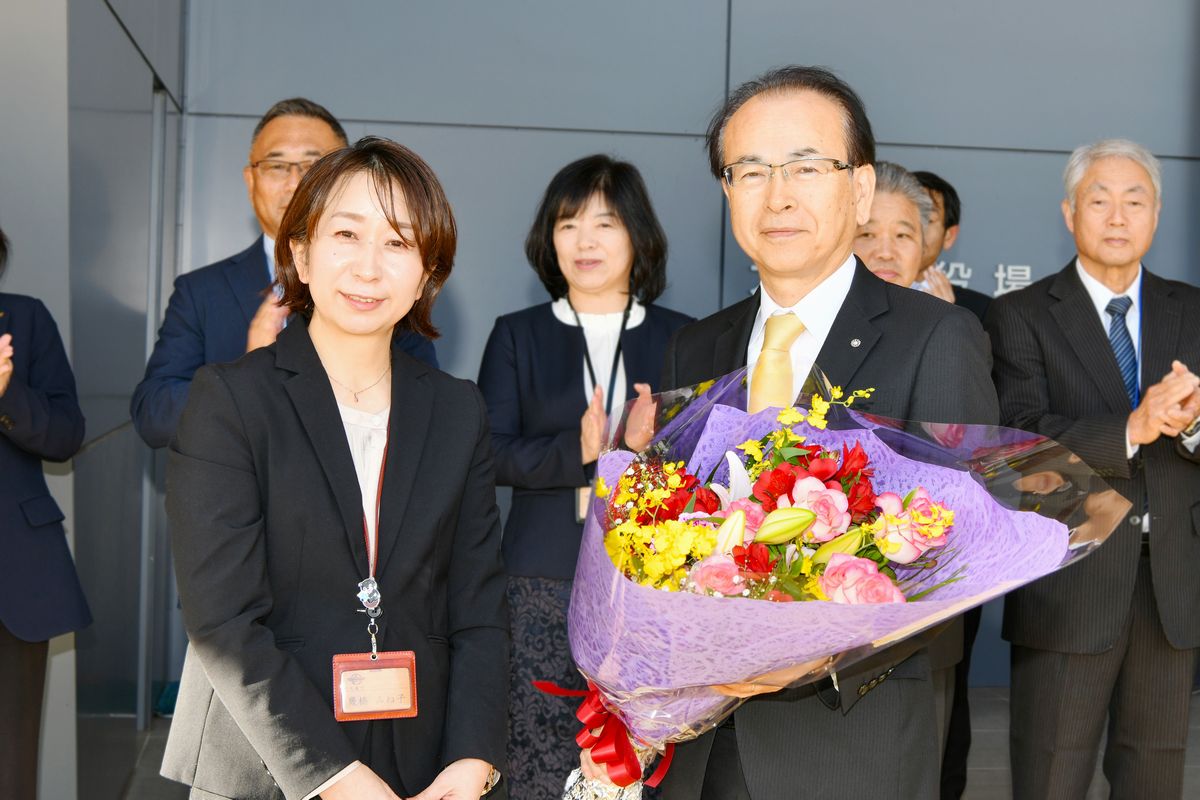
{"x":1122,"y":345}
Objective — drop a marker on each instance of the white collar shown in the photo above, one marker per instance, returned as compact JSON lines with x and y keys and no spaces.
{"x":1101,"y":294}
{"x":817,"y":309}
{"x":563,"y":313}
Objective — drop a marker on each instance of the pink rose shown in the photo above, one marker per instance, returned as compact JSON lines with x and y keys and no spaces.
{"x":830,"y":505}
{"x":896,"y":535}
{"x":849,"y":579}
{"x":754,"y":515}
{"x":717,"y":573}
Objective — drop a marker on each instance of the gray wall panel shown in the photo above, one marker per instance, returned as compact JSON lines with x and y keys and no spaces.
{"x":1024,"y":73}
{"x":156,"y":28}
{"x":106,"y":551}
{"x":621,"y":65}
{"x":110,"y":139}
{"x":494,"y":198}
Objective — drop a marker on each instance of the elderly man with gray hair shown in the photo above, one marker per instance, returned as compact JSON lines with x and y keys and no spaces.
{"x":892,"y":240}
{"x":1099,"y":357}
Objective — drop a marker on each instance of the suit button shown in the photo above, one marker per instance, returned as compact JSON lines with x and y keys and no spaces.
{"x":1135,"y":520}
{"x":7,"y":422}
{"x":862,"y":690}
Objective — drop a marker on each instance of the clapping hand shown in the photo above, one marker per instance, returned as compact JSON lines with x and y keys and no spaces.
{"x":939,"y":285}
{"x":464,"y":779}
{"x":1167,"y":408}
{"x":639,"y":425}
{"x":6,"y":362}
{"x":267,"y":323}
{"x":591,"y":427}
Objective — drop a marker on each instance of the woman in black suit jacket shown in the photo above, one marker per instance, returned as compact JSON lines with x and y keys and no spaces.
{"x":307,"y":469}
{"x":40,"y":596}
{"x":547,"y":375}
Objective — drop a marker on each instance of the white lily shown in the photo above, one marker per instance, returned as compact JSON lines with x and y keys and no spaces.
{"x":740,"y":485}
{"x":732,"y":532}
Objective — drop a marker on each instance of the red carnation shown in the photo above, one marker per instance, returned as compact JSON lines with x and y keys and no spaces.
{"x":854,"y":462}
{"x":774,"y":484}
{"x":707,"y":500}
{"x":862,"y":499}
{"x":754,"y":558}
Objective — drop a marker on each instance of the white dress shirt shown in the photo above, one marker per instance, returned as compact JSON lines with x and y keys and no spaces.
{"x":817,"y":310}
{"x":1101,"y":295}
{"x":602,"y":334}
{"x":269,"y":251}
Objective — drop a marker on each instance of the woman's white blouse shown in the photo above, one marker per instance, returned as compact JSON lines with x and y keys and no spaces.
{"x":367,"y":435}
{"x":602,"y":333}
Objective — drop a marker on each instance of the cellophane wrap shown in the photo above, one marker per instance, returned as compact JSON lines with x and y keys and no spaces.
{"x":1024,"y":507}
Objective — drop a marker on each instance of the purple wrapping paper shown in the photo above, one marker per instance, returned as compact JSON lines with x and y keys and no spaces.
{"x":655,"y":653}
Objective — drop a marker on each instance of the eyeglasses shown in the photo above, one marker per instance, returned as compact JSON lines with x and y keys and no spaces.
{"x":273,"y":169}
{"x":755,"y":174}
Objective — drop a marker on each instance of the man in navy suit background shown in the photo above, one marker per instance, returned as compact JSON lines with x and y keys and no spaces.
{"x":222,"y":311}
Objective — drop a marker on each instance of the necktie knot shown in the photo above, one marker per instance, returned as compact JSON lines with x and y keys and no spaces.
{"x":781,"y":331}
{"x":1119,"y":306}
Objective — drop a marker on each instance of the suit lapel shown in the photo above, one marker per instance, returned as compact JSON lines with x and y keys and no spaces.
{"x":316,"y":406}
{"x":1161,"y":318}
{"x":729,"y":350}
{"x":853,"y":335}
{"x":247,"y":276}
{"x":1076,"y":318}
{"x":408,"y":428}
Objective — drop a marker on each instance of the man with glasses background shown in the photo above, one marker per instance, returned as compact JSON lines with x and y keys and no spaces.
{"x":794,"y":152}
{"x":222,"y":311}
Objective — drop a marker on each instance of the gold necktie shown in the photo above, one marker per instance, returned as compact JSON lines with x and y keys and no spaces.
{"x":771,"y":384}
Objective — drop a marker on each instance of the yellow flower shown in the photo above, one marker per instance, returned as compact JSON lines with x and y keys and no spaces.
{"x":752,"y":448}
{"x":789,"y":416}
{"x":601,"y":488}
{"x":836,"y":393}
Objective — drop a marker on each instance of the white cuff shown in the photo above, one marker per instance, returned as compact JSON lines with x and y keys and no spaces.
{"x":1190,"y":442}
{"x":1130,"y":448}
{"x":329,"y":783}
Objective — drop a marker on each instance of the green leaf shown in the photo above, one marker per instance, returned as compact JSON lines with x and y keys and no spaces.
{"x":934,"y":588}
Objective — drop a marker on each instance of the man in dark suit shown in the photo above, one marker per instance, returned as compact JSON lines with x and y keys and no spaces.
{"x":1081,"y":357}
{"x":941,"y":232}
{"x":218,"y":313}
{"x":794,"y":151}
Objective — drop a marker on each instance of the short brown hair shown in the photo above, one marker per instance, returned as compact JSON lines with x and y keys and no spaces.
{"x":389,"y":165}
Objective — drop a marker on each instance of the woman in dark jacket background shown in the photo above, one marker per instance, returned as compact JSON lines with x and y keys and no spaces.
{"x":548,"y":374}
{"x":40,"y":596}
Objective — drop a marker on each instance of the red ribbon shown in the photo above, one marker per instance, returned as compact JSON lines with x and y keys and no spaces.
{"x":612,"y":746}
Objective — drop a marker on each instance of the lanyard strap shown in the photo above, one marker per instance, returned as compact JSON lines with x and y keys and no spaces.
{"x":587,"y":356}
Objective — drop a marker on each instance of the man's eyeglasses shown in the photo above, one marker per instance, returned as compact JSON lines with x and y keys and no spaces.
{"x":274,"y":169}
{"x":755,"y":174}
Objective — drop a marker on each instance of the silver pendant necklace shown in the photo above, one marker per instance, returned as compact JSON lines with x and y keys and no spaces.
{"x":357,"y":392}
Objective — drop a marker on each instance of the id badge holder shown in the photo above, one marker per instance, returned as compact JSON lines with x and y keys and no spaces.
{"x":383,"y":687}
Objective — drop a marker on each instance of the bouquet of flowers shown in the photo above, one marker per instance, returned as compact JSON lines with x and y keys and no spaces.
{"x":779,"y":547}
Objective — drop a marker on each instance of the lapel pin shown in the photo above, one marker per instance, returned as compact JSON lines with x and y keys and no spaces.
{"x":856,"y":342}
